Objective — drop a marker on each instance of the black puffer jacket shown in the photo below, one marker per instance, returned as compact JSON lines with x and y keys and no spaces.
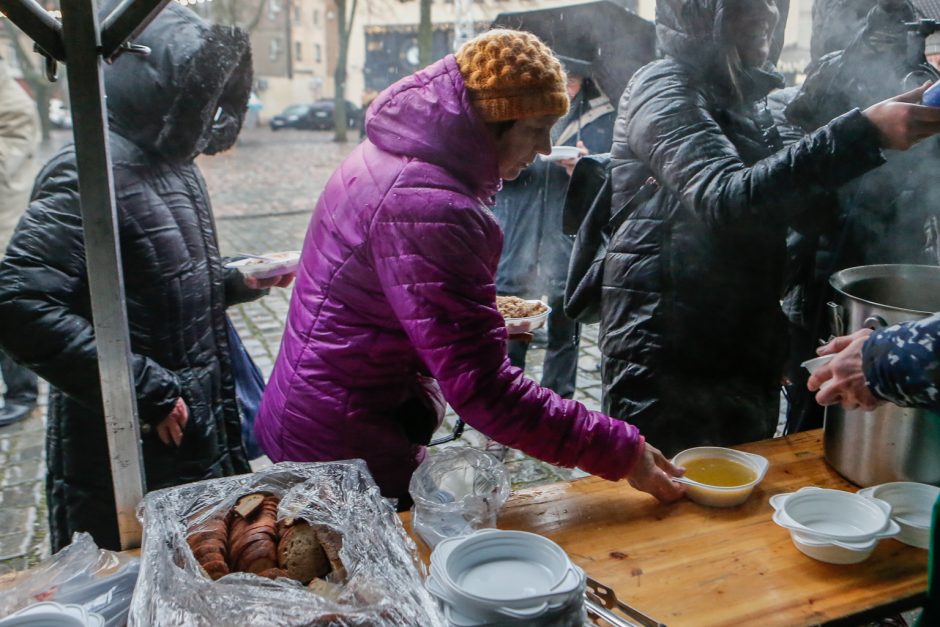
{"x":161,"y":110}
{"x":692,"y":334}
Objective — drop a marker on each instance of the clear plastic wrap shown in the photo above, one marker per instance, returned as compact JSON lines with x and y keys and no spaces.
{"x":384,"y":578}
{"x":99,"y":580}
{"x":457,"y":491}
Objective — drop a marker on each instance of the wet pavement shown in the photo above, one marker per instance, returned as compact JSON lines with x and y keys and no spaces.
{"x":263,"y":192}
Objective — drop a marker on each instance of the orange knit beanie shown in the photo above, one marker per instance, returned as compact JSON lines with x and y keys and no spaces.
{"x":511,"y":75}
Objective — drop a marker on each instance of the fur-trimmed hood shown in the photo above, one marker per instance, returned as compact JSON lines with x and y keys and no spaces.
{"x":168,"y":101}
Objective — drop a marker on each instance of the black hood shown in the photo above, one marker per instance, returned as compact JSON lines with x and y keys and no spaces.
{"x":690,"y":31}
{"x":168,"y":101}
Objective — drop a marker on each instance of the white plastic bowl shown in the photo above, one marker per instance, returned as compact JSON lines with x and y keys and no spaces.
{"x":911,"y":508}
{"x":279,"y":264}
{"x":560,"y":153}
{"x":720,"y":496}
{"x":530,"y":323}
{"x":832,"y":553}
{"x":834,"y":515}
{"x":498,"y":576}
{"x":814,"y":364}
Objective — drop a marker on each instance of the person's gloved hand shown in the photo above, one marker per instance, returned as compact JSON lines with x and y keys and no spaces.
{"x":652,"y":474}
{"x":170,"y":429}
{"x":843,"y":377}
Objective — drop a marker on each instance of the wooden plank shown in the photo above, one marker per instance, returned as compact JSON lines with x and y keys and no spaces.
{"x":685,"y":564}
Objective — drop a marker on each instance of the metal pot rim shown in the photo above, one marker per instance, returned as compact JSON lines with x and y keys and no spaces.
{"x":845,"y":278}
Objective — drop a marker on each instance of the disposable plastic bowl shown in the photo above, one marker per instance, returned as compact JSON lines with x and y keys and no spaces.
{"x":814,"y":364}
{"x":832,"y":553}
{"x":833,"y":515}
{"x":720,"y":496}
{"x":530,"y":323}
{"x":911,"y":508}
{"x":508,"y":568}
{"x":560,"y":153}
{"x":280,"y":263}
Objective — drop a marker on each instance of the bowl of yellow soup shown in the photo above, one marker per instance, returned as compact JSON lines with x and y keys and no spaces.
{"x":720,"y":477}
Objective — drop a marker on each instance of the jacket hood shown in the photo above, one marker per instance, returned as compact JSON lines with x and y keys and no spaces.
{"x":190,"y":94}
{"x":429,"y":116}
{"x":691,"y":32}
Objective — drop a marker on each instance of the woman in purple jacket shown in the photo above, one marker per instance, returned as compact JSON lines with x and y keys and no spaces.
{"x":394,"y":310}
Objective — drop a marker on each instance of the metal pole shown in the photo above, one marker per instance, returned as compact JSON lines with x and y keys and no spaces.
{"x":102,"y":254}
{"x":42,"y":28}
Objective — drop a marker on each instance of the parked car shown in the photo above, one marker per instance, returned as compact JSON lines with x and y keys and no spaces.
{"x":316,"y":116}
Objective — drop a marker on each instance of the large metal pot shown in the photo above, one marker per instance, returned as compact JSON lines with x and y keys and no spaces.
{"x":891,"y":443}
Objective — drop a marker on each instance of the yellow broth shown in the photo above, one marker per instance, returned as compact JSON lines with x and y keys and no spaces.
{"x":718,"y":471}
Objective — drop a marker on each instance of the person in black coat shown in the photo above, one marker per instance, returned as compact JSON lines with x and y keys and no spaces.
{"x":187,"y":97}
{"x":536,"y":251}
{"x":692,"y":334}
{"x":887,"y":216}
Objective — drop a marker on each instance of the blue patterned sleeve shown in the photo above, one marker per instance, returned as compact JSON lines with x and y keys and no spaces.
{"x":902,"y":363}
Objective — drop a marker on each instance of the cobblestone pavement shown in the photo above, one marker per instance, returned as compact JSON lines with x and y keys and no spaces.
{"x":262,"y":192}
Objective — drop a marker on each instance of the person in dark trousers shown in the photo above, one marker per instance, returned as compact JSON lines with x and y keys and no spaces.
{"x":187,"y":97}
{"x":692,"y":335}
{"x":536,"y":252}
{"x":900,"y":365}
{"x":19,"y":141}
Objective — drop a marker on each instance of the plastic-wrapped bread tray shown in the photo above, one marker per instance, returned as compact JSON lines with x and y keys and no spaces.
{"x":380,"y":582}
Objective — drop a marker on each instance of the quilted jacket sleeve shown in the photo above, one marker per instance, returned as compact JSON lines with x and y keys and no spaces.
{"x":435,"y":255}
{"x":902,"y":363}
{"x":670,"y":129}
{"x":43,"y":287}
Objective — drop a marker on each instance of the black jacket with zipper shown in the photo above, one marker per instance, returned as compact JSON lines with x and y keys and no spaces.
{"x":162,"y":110}
{"x":692,"y":334}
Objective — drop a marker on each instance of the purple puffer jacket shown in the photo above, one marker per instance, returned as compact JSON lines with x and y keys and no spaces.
{"x":395,"y":290}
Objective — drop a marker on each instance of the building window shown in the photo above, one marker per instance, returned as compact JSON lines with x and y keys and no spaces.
{"x":316,"y":17}
{"x":274,"y":7}
{"x":298,"y":47}
{"x":316,"y":53}
{"x":298,"y":13}
{"x":275,"y":48}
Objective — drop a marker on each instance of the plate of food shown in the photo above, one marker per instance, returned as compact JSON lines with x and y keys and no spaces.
{"x":522,"y":316}
{"x":267,"y":265}
{"x":560,"y":153}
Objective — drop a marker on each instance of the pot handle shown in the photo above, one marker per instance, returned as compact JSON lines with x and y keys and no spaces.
{"x":874,"y":323}
{"x":836,"y":319}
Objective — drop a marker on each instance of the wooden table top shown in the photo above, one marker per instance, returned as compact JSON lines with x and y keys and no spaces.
{"x":685,"y":564}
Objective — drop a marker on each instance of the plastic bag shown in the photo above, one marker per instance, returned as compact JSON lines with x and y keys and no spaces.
{"x":384,"y":584}
{"x":455,"y":492}
{"x":99,"y":580}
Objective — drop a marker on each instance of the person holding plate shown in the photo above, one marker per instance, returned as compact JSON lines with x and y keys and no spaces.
{"x":394,"y":311}
{"x":187,"y":97}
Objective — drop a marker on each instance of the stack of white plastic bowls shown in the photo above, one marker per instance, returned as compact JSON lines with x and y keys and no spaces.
{"x":911,"y":508}
{"x":832,"y":525}
{"x":495,"y":577}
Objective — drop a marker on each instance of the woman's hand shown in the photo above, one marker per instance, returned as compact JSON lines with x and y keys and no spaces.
{"x":843,"y":376}
{"x":170,"y":429}
{"x":652,"y":474}
{"x":902,"y":121}
{"x":283,"y":280}
{"x":568,"y":164}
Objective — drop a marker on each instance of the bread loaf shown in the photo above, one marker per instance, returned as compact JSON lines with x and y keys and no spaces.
{"x":248,"y":538}
{"x":299,"y":552}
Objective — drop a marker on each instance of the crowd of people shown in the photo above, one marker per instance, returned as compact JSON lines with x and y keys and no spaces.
{"x":737,"y":195}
